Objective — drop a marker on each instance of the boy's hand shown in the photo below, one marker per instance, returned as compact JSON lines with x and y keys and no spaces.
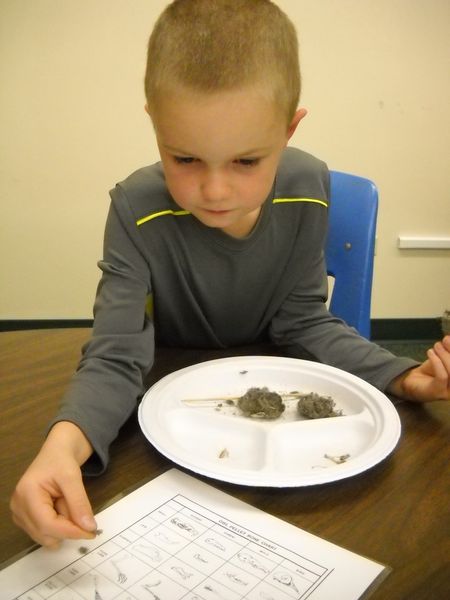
{"x":50,"y":502}
{"x":430,"y":381}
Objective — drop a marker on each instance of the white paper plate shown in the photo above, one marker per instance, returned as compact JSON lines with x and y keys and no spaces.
{"x":285,"y":452}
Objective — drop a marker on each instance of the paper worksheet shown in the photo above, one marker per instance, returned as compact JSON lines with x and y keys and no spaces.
{"x":179,"y":538}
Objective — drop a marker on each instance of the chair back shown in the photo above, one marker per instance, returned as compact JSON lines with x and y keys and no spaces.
{"x":350,"y":247}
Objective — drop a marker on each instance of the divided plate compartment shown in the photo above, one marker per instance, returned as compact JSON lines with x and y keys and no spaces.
{"x":290,"y":451}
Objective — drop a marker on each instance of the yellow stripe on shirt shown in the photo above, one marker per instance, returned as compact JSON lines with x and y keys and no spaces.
{"x":177,"y":213}
{"x":161,"y":213}
{"x":313,"y":200}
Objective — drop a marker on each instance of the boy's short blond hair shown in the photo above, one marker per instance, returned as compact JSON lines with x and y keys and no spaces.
{"x":218,"y":45}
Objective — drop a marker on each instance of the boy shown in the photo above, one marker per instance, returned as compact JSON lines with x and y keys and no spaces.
{"x":222,"y":241}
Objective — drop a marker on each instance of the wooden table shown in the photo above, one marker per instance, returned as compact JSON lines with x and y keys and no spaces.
{"x":396,"y":513}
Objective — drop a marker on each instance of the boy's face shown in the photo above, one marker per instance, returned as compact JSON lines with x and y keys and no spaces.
{"x":220,"y":153}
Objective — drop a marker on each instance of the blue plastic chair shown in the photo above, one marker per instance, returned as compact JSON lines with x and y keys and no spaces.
{"x":350,"y":247}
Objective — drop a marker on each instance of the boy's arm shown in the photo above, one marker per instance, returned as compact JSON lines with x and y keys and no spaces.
{"x":303,"y":322}
{"x":50,"y":502}
{"x":109,"y":380}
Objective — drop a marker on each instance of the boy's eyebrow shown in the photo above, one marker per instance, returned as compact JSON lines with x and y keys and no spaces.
{"x":176,"y":150}
{"x":252,"y":151}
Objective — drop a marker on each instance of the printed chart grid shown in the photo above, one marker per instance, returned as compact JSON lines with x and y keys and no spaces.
{"x":184,"y":551}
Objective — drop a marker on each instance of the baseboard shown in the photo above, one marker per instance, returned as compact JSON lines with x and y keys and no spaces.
{"x":406,"y":329}
{"x":382,"y":329}
{"x":22,"y":324}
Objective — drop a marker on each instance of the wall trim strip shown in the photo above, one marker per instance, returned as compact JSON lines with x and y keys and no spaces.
{"x":382,"y":329}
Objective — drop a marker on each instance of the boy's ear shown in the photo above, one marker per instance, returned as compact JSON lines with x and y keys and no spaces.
{"x":302,"y":112}
{"x":147,"y":110}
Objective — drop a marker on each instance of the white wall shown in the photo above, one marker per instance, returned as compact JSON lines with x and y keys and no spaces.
{"x":72,"y":123}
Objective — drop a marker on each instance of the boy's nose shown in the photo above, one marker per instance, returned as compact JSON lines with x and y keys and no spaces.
{"x":214,"y":187}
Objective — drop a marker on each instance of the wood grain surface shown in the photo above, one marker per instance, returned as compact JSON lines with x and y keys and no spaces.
{"x":396,"y":513}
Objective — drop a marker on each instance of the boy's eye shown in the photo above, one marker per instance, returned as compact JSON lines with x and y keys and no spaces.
{"x":248,"y":162}
{"x":244,"y":162}
{"x":184,"y":160}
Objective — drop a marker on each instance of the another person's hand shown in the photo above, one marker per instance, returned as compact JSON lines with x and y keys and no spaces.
{"x":430,"y":380}
{"x":50,"y":502}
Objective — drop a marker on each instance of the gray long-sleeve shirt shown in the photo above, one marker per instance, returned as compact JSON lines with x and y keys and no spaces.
{"x":170,"y":280}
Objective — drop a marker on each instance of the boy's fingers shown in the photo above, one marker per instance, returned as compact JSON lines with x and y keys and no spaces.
{"x":49,"y":520}
{"x":440,"y":374}
{"x":75,"y":505}
{"x":437,"y":366}
{"x":49,"y":529}
{"x":63,"y":511}
{"x":441,"y":363}
{"x":62,"y":508}
{"x":442,"y":349}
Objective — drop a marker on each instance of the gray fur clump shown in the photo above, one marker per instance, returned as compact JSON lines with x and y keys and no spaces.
{"x":261,"y":403}
{"x":314,"y":406}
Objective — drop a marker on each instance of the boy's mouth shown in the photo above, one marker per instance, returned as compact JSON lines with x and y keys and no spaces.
{"x":216,"y":212}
